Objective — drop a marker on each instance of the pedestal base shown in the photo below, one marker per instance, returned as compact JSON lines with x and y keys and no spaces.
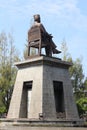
{"x":43,"y":89}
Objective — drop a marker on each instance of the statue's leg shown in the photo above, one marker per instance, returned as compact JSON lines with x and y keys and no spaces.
{"x":48,"y":51}
{"x":28,"y":50}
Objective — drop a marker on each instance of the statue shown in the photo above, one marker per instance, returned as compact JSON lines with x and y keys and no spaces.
{"x":45,"y":39}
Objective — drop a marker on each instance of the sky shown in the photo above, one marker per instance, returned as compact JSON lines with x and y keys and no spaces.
{"x":64,"y":19}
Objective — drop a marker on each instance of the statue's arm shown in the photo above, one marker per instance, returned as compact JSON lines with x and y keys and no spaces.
{"x":44,"y":31}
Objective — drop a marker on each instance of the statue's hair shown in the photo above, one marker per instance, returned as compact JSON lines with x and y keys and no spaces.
{"x":37,"y":18}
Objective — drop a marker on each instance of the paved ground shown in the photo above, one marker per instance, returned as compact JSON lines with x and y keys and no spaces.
{"x":41,"y":128}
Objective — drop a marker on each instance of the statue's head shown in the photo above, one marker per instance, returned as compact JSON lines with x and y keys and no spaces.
{"x":37,"y":18}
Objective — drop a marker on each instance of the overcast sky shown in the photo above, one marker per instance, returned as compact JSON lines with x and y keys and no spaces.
{"x":64,"y":19}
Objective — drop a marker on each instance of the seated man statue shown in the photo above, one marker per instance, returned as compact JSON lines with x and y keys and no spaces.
{"x":47,"y":38}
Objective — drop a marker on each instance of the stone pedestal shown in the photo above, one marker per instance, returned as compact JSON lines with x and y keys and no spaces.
{"x":43,"y":89}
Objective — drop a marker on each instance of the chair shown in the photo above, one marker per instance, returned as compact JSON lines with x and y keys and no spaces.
{"x":35,"y":37}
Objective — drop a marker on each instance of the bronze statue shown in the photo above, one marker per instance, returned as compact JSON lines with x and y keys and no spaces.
{"x":38,"y":37}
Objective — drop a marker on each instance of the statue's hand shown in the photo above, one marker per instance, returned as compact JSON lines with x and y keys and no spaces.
{"x":51,"y":35}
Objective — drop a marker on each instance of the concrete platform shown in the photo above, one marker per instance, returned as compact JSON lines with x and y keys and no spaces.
{"x":41,"y":128}
{"x":19,"y":123}
{"x":26,"y":124}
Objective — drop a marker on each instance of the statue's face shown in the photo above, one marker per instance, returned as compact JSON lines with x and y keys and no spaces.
{"x":37,"y":18}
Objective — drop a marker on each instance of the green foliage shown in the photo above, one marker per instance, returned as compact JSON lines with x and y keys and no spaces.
{"x":82,"y":105}
{"x":8,"y":55}
{"x":76,"y":71}
{"x":78,"y":81}
{"x":77,"y":76}
{"x":2,"y":110}
{"x":85,"y":84}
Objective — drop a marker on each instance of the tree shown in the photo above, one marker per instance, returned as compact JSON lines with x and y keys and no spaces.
{"x":8,"y":55}
{"x":85,"y":84}
{"x":32,"y":52}
{"x":65,"y":54}
{"x":77,"y":76}
{"x":25,"y":54}
{"x":76,"y":71}
{"x":82,"y":105}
